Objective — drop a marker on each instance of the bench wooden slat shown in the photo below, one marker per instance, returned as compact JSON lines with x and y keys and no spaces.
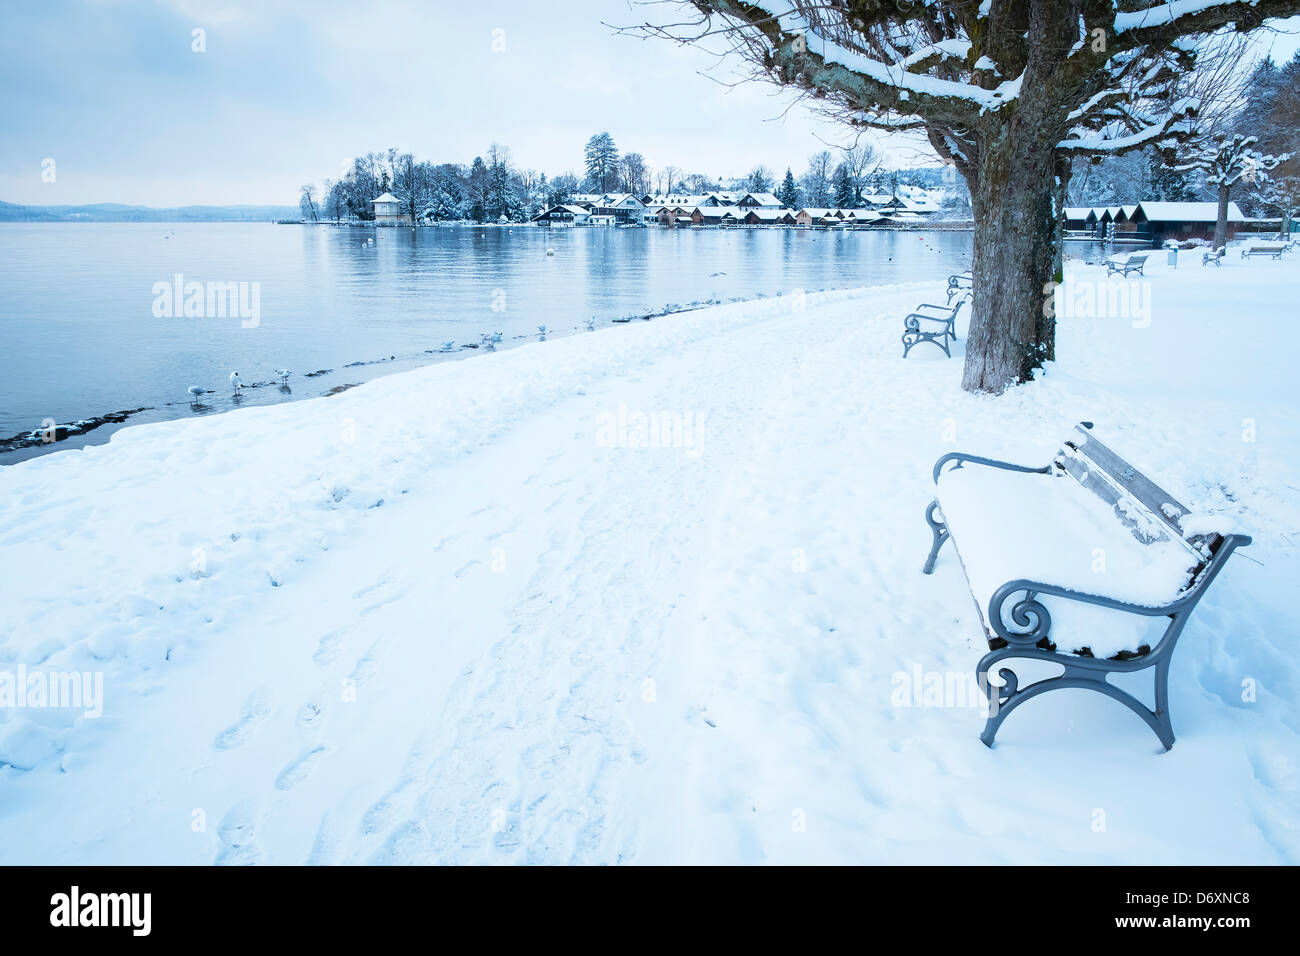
{"x":1019,"y":616}
{"x":1088,"y":450}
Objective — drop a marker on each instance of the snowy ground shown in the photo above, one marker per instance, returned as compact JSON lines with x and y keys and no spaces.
{"x":450,"y":616}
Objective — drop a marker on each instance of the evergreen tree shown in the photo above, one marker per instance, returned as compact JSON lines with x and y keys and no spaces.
{"x":1169,"y":185}
{"x":602,"y":163}
{"x":846,"y":194}
{"x":789,"y":191}
{"x":759,"y":181}
{"x":477,"y":200}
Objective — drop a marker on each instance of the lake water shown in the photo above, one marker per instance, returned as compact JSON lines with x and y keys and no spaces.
{"x":79,"y":336}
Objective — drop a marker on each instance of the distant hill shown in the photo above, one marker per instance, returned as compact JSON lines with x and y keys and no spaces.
{"x":118,"y":212}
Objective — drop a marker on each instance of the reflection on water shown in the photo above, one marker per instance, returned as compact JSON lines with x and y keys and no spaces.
{"x":80,"y":336}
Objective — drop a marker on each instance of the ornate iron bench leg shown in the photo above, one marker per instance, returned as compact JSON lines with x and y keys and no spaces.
{"x":940,"y":532}
{"x":1004,"y":698}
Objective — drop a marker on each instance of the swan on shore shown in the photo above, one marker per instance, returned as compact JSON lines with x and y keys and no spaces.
{"x":235,"y":381}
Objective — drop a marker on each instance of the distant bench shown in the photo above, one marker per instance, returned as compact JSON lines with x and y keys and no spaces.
{"x":959,"y":283}
{"x":1133,"y":262}
{"x":1274,"y":250}
{"x":936,"y":324}
{"x":1073,"y":543}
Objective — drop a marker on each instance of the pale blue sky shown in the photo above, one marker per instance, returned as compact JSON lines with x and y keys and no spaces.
{"x":285,"y":92}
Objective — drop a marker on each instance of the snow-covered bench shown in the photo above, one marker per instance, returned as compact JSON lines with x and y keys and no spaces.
{"x":959,"y":283}
{"x":1083,"y":563}
{"x":932,"y":323}
{"x":1133,"y":262}
{"x":1270,"y":249}
{"x":1215,"y":257}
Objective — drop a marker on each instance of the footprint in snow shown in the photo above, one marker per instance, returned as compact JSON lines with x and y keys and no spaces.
{"x":255,"y":710}
{"x":329,"y":647}
{"x":298,"y":770}
{"x":237,"y":834}
{"x":311,"y":717}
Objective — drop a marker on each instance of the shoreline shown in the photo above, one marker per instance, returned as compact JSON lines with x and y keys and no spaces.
{"x":67,"y":436}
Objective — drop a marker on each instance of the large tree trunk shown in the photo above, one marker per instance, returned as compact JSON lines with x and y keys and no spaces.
{"x":1017,"y":239}
{"x":1221,"y":225}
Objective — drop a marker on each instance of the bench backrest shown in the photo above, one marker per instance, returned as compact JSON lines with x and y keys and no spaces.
{"x":1146,"y":509}
{"x":1136,"y":259}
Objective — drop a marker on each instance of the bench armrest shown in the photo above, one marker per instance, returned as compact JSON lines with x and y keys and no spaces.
{"x":937,"y":323}
{"x":962,"y":458}
{"x":1028,"y":610}
{"x":946,"y":309}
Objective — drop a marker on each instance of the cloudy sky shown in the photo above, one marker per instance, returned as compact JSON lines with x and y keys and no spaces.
{"x":113,"y":92}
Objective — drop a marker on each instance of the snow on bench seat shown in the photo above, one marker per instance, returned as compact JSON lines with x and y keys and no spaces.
{"x":1046,"y":528}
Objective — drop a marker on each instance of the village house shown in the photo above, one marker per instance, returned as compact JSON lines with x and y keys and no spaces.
{"x":388,"y":211}
{"x":564,"y":215}
{"x":673,"y":215}
{"x":717,"y":215}
{"x":769,"y":217}
{"x":624,"y":209}
{"x":1150,"y":221}
{"x":1185,"y":220}
{"x":1081,"y":219}
{"x":811,"y":215}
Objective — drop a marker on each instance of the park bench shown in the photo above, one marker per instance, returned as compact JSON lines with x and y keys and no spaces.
{"x":1215,"y":257}
{"x":1133,"y":262}
{"x":1273,"y":249}
{"x":932,"y":323}
{"x":959,"y":283}
{"x":1082,"y":563}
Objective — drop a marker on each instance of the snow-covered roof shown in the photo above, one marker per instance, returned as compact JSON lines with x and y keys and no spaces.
{"x":621,"y":200}
{"x":925,"y":204}
{"x":576,"y":210}
{"x":1188,"y":211}
{"x":770,"y":213}
{"x":386,"y":197}
{"x":763,"y":199}
{"x":1078,"y":212}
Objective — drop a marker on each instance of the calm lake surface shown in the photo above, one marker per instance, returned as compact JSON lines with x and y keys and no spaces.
{"x":79,"y":337}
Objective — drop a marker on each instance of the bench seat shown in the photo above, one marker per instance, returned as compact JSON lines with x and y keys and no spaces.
{"x":1084,"y":563}
{"x":1007,"y":526}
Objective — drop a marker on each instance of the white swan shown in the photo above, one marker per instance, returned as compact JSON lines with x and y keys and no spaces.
{"x":235,"y":381}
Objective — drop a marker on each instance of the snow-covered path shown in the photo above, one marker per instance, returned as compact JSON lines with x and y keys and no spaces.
{"x":549,"y":647}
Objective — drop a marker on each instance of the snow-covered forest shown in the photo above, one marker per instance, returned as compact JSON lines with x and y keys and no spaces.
{"x":1263,"y":104}
{"x":494,"y":187}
